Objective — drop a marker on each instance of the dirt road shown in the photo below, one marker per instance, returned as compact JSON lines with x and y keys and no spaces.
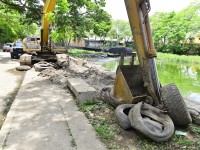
{"x":10,"y":80}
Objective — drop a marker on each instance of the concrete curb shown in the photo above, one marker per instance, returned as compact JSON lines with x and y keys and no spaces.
{"x":5,"y":129}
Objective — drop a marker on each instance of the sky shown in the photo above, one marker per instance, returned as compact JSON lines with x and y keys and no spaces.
{"x":118,"y":11}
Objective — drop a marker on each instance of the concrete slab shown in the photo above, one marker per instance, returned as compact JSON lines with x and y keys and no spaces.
{"x":44,"y":117}
{"x":61,"y":57}
{"x":25,"y":59}
{"x":83,"y":91}
{"x":82,"y":131}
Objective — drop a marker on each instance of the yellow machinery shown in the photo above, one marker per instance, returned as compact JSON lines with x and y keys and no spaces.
{"x":48,"y":7}
{"x":41,"y":49}
{"x":134,"y":83}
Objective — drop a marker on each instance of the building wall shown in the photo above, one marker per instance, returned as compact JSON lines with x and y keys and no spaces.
{"x":77,"y":43}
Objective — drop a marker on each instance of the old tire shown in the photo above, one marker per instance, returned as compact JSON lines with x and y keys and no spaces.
{"x":114,"y":101}
{"x":158,"y":127}
{"x":175,"y":105}
{"x":42,"y":66}
{"x":23,"y":68}
{"x":121,"y":114}
{"x":108,"y":97}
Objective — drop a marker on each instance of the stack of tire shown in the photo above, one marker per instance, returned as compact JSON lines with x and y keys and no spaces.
{"x":154,"y":123}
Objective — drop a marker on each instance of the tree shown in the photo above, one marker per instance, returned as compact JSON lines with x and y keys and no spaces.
{"x":74,"y":19}
{"x":172,"y":30}
{"x":30,"y":9}
{"x":11,"y":26}
{"x":120,"y":30}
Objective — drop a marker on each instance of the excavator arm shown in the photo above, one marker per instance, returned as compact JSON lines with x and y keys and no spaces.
{"x":49,"y":6}
{"x":137,"y":11}
{"x":136,"y":83}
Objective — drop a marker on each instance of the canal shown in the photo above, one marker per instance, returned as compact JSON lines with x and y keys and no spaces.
{"x":184,"y":75}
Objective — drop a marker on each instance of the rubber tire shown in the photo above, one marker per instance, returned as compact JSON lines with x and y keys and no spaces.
{"x":175,"y":105}
{"x":121,"y":114}
{"x":23,"y":68}
{"x":40,"y":66}
{"x":139,"y":123}
{"x":107,"y":96}
{"x":114,"y":101}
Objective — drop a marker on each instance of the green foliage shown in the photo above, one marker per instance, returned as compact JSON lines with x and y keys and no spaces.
{"x":74,"y":19}
{"x":12,"y":26}
{"x":102,"y":125}
{"x":120,"y":30}
{"x":30,"y":9}
{"x":173,"y":32}
{"x":73,"y":142}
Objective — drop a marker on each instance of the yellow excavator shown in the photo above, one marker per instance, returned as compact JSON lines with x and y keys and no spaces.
{"x":136,"y":83}
{"x":137,"y":80}
{"x":49,"y":6}
{"x":41,"y":48}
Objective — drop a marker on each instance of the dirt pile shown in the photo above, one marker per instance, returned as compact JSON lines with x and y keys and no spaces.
{"x":95,"y":75}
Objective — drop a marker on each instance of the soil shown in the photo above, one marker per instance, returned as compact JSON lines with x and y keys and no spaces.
{"x":95,"y":75}
{"x":98,"y":77}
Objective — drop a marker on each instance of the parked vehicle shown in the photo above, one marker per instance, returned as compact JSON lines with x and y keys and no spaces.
{"x":17,"y":50}
{"x":7,"y":47}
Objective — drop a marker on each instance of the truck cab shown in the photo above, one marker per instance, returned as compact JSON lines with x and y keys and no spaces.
{"x":17,"y":50}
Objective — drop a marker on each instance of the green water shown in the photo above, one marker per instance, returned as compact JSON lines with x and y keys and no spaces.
{"x":185,"y":76}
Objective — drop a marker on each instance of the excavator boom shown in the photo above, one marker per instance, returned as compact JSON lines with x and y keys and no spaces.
{"x":49,"y":6}
{"x":137,"y":82}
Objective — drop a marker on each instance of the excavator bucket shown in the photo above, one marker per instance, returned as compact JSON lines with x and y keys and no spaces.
{"x":129,"y":85}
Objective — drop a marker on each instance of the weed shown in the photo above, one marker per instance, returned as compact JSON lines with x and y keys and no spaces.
{"x":116,"y":138}
{"x":73,"y":142}
{"x":84,"y":53}
{"x":69,"y":130}
{"x":89,"y":106}
{"x":193,"y":128}
{"x":194,"y":60}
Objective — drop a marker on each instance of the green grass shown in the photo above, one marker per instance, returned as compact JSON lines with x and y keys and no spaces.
{"x":89,"y":106}
{"x":110,"y":133}
{"x":178,"y":58}
{"x":101,"y":124}
{"x":164,"y":57}
{"x":73,"y":143}
{"x":75,"y":52}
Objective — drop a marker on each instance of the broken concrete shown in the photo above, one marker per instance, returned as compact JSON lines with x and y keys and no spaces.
{"x":83,"y":91}
{"x":25,"y":59}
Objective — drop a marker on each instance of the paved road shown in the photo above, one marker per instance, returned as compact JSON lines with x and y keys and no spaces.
{"x":9,"y":77}
{"x":10,"y":81}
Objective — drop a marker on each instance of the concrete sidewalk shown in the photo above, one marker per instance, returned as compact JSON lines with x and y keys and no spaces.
{"x":44,"y":117}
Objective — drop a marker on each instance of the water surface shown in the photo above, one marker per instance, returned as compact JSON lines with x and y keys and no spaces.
{"x":185,"y":76}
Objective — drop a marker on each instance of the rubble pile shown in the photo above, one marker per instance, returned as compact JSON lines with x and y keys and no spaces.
{"x":95,"y":75}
